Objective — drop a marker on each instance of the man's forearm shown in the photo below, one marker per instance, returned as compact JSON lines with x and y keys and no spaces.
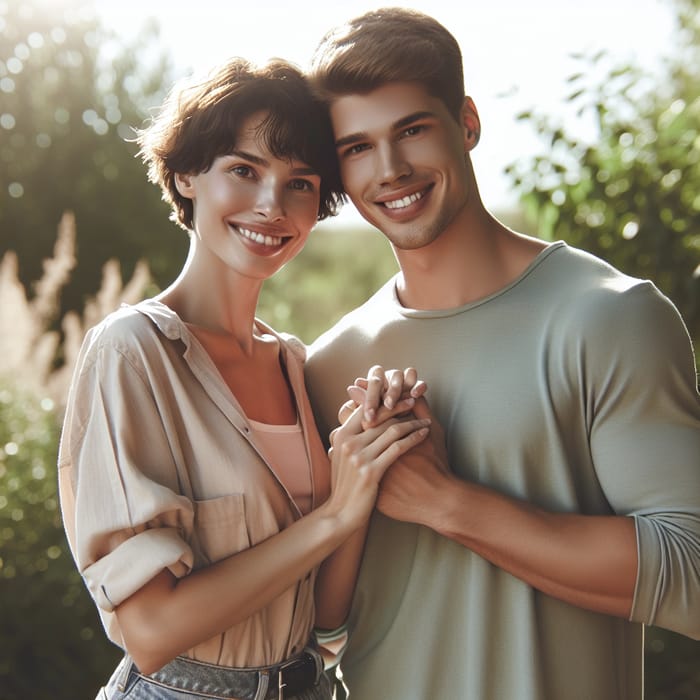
{"x":588,"y":561}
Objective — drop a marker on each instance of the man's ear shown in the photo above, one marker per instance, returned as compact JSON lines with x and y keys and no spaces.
{"x":183,"y":183}
{"x":471,"y":124}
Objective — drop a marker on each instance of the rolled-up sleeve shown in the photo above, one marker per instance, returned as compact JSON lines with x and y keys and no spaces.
{"x":645,"y":442}
{"x":124,"y":519}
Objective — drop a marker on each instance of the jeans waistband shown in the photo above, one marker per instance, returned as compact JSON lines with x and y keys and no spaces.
{"x":283,"y":680}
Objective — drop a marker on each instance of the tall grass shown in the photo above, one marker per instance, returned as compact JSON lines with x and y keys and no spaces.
{"x":38,"y":350}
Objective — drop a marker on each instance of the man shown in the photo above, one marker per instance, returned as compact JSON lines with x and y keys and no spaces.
{"x":521,"y":559}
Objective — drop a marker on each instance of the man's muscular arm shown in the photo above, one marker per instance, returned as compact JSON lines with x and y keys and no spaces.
{"x":588,"y":561}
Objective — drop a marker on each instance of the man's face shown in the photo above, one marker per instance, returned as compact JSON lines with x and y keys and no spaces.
{"x":402,"y":160}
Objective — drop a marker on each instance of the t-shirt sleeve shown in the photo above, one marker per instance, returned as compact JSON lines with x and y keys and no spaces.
{"x":123,"y":516}
{"x":645,"y":443}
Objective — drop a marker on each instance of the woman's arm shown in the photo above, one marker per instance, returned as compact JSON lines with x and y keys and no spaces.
{"x":167,"y":616}
{"x":337,"y":576}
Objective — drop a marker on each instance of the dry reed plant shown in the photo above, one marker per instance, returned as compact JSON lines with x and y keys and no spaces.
{"x":29,"y":348}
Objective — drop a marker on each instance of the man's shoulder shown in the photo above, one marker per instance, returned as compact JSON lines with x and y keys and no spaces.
{"x":581,"y":280}
{"x":594,"y":303}
{"x":356,"y":326}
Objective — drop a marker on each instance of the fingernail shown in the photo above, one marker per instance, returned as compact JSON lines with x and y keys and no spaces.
{"x":388,"y":402}
{"x":369,"y":414}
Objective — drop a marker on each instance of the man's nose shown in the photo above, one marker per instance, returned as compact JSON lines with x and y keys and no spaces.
{"x":391,"y":163}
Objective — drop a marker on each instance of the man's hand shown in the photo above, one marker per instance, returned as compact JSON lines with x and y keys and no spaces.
{"x":410,"y":488}
{"x":385,"y":388}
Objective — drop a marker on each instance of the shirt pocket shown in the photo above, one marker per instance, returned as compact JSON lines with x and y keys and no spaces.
{"x":220,"y":525}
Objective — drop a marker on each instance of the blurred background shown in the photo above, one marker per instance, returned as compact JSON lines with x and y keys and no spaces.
{"x":591,"y":134}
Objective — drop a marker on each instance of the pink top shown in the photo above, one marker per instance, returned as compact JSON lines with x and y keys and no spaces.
{"x":284,"y":449}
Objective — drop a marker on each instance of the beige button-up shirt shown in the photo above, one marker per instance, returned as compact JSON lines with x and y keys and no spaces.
{"x":159,"y":468}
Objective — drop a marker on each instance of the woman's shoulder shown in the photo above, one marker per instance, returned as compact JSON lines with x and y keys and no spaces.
{"x":288,"y":341}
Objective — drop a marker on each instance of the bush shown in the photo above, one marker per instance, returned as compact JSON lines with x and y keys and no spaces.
{"x":52,"y":643}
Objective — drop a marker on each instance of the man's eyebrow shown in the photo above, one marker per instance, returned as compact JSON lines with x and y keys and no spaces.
{"x":416,"y":116}
{"x":351,"y":138}
{"x":399,"y":124}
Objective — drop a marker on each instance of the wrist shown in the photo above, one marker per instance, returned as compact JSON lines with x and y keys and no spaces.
{"x":337,"y":522}
{"x":444,"y":504}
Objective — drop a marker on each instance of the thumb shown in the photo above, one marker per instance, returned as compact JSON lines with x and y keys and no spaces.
{"x":421,"y":409}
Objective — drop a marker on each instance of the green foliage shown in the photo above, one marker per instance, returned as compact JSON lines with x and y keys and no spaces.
{"x":633,"y":198}
{"x":336,"y":271}
{"x":71,"y":94}
{"x":51,"y":639}
{"x":671,"y":669}
{"x":633,"y":195}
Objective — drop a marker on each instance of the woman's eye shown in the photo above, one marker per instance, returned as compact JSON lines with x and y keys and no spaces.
{"x":242,"y":171}
{"x":302,"y":185}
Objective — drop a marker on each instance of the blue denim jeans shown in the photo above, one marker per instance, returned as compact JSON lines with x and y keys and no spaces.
{"x":185,"y":679}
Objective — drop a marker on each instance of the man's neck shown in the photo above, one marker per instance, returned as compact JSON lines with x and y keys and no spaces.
{"x":463,"y":265}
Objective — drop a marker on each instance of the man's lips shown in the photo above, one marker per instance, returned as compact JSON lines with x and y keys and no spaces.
{"x":397,"y":204}
{"x":403,"y":202}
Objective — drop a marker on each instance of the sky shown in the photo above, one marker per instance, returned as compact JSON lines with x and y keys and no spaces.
{"x":517,"y":54}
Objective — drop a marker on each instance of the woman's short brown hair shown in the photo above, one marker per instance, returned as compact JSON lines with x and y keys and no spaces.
{"x":200,"y":121}
{"x":390,"y":45}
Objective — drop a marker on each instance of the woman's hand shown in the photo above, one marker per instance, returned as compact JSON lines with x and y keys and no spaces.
{"x":359,"y":458}
{"x":383,"y":389}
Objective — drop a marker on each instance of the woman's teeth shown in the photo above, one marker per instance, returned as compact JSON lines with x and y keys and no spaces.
{"x":259,"y":237}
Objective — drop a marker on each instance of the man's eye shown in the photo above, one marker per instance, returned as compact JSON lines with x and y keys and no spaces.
{"x":412,"y":130}
{"x":355,"y":149}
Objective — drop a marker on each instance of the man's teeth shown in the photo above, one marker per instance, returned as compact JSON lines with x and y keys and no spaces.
{"x":404,"y":201}
{"x":259,"y":237}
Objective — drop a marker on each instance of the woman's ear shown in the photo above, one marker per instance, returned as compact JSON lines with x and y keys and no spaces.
{"x":184,"y":185}
{"x":471,"y":124}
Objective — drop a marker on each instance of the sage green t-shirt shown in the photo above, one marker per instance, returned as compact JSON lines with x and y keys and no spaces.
{"x":573,"y":388}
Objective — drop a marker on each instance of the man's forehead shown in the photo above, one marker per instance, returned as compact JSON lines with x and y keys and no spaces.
{"x":385,"y":107}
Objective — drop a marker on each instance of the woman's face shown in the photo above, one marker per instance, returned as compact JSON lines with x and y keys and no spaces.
{"x":252,"y":211}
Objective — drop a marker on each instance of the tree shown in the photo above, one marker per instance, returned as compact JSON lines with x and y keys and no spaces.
{"x":71,"y":94}
{"x":633,"y":195}
{"x":633,"y":198}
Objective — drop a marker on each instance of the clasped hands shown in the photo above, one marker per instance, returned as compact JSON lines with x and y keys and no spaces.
{"x":409,"y":484}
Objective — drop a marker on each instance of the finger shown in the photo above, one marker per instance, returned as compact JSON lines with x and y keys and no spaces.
{"x":422,"y":409}
{"x":410,"y":377}
{"x":390,"y":444}
{"x":351,"y":426}
{"x":346,"y":410}
{"x":361,"y":382}
{"x":419,"y":389}
{"x":356,"y":394}
{"x":331,"y":436}
{"x":383,"y":413}
{"x":375,"y":389}
{"x":395,"y":386}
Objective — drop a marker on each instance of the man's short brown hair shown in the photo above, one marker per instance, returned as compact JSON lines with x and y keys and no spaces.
{"x":390,"y":45}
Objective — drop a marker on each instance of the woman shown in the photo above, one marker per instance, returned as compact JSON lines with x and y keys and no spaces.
{"x":196,"y":494}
